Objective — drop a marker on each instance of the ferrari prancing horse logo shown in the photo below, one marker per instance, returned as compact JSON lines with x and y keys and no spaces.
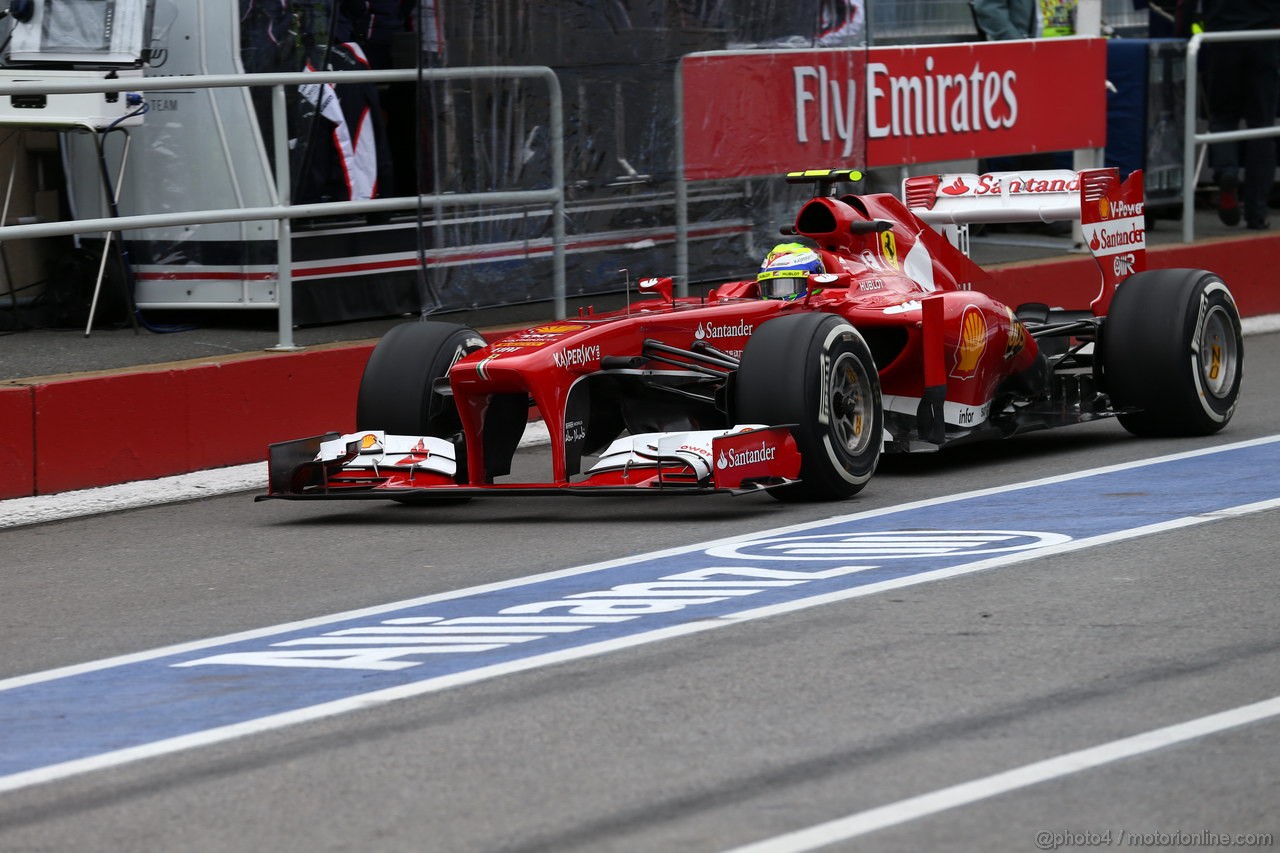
{"x":889,"y":249}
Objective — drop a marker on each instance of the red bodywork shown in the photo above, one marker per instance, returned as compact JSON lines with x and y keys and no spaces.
{"x":954,"y":335}
{"x":947,"y":355}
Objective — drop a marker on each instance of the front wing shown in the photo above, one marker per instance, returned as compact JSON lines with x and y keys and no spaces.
{"x":372,"y":465}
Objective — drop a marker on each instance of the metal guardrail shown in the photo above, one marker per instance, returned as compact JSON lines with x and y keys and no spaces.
{"x":284,"y":212}
{"x":1191,"y":138}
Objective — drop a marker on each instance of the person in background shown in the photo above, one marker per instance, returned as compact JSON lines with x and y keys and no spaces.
{"x":1167,"y":18}
{"x":372,"y":24}
{"x":1057,"y":18}
{"x":1242,"y":86}
{"x":841,"y":23}
{"x":1001,"y":20}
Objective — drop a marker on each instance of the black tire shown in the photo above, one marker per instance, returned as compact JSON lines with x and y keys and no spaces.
{"x":1172,"y":351}
{"x":395,"y":390}
{"x":815,"y":371}
{"x":396,"y":393}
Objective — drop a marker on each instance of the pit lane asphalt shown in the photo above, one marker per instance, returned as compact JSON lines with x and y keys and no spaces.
{"x":697,"y":743}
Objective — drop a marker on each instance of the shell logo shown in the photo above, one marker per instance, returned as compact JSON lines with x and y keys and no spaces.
{"x":972,"y":343}
{"x":1104,"y":207}
{"x":558,"y":330}
{"x":1017,"y":338}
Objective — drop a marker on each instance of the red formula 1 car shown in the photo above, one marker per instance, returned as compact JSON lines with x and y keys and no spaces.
{"x":869,"y":333}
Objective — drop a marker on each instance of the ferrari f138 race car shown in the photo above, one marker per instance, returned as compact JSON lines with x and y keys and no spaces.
{"x":868,"y":332}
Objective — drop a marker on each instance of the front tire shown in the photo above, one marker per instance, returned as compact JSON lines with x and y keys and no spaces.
{"x":1173,"y":350}
{"x":815,"y":371}
{"x":396,"y":394}
{"x":396,"y":391}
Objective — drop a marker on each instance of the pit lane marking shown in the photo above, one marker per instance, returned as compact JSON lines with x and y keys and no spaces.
{"x":966,"y":793}
{"x":75,"y":719}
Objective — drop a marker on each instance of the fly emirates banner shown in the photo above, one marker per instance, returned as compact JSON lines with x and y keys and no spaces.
{"x":764,"y":112}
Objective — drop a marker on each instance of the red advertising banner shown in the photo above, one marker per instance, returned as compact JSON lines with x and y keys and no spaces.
{"x":759,"y":112}
{"x":766,"y":112}
{"x":986,"y":99}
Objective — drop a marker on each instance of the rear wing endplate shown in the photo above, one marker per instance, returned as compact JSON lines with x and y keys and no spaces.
{"x":1110,"y":213}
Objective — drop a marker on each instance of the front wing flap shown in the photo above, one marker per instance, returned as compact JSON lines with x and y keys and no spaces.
{"x":743,"y":458}
{"x":375,"y":465}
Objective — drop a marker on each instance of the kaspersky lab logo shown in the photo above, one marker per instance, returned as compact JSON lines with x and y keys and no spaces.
{"x":576,"y":356}
{"x":710,"y":331}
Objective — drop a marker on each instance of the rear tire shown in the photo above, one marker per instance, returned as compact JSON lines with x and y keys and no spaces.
{"x":1172,"y":349}
{"x":815,"y":371}
{"x":396,"y":394}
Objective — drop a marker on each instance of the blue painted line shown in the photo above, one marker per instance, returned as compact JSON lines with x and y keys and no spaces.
{"x":78,"y":718}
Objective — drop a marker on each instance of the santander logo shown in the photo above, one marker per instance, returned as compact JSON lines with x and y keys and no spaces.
{"x":741,"y":329}
{"x":737,"y":458}
{"x":1009,"y":183}
{"x":1110,"y":240}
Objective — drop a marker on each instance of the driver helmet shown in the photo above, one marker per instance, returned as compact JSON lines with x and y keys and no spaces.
{"x":786,"y":270}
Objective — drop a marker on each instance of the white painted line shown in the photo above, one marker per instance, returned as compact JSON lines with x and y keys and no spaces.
{"x":182,"y":487}
{"x":17,"y":512}
{"x":535,"y":434}
{"x":1260,"y":325}
{"x":966,"y":793}
{"x":349,"y":615}
{"x":381,"y":697}
{"x":497,"y":670}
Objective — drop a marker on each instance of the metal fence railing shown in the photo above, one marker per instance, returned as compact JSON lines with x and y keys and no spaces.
{"x":1192,"y":138}
{"x":283,"y":211}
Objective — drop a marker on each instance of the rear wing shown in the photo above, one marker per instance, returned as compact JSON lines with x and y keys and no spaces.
{"x":1110,"y":213}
